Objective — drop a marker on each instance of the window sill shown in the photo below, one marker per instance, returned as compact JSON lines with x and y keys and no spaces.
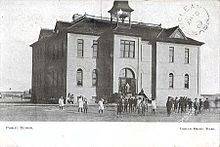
{"x":126,"y":58}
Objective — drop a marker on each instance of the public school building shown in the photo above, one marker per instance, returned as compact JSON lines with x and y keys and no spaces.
{"x":96,"y":57}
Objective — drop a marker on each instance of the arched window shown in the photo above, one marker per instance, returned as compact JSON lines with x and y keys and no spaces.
{"x":171,"y":80}
{"x":94,"y":77}
{"x":79,"y":77}
{"x":186,"y":81}
{"x":126,"y":73}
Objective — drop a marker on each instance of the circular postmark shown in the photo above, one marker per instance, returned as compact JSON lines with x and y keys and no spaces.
{"x":194,"y":20}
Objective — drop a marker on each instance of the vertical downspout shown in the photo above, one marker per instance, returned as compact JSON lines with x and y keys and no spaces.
{"x":198,"y":71}
{"x":154,"y":70}
{"x":138,"y":64}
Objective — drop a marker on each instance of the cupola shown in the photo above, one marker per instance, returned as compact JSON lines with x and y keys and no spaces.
{"x":120,"y":11}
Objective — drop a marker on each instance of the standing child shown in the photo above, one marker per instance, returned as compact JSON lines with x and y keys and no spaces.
{"x":85,"y":106}
{"x":196,"y":105}
{"x":143,"y":106}
{"x":200,"y":105}
{"x":154,"y":106}
{"x":190,"y":104}
{"x":119,"y":107}
{"x":61,"y":103}
{"x":206,"y":104}
{"x":101,"y":105}
{"x":80,"y":104}
{"x":169,"y":106}
{"x":175,"y":104}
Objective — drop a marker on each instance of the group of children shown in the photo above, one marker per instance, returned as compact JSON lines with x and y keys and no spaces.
{"x":183,"y":104}
{"x":135,"y":104}
{"x":82,"y":104}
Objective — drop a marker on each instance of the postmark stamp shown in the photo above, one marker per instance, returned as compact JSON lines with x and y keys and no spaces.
{"x":194,"y":20}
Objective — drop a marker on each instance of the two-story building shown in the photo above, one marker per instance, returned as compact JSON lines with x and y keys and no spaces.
{"x":96,"y":57}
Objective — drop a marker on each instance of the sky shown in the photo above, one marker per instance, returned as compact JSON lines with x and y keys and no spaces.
{"x":21,"y":21}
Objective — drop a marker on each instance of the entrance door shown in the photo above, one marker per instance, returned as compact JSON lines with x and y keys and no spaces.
{"x":127,"y":82}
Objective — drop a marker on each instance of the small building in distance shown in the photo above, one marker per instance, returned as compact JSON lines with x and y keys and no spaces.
{"x":96,"y":57}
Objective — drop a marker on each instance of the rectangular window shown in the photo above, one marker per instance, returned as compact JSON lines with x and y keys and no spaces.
{"x":95,"y":48}
{"x":171,"y":80}
{"x":127,"y":49}
{"x":79,"y":48}
{"x":94,"y":77}
{"x":171,"y":54}
{"x":186,"y":55}
{"x":186,"y":81}
{"x":79,"y":77}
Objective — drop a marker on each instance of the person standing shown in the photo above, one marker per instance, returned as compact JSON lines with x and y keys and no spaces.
{"x":80,"y":104}
{"x":101,"y":106}
{"x":61,"y":103}
{"x":181,"y":105}
{"x":139,"y":105}
{"x":216,"y":103}
{"x":185,"y":104}
{"x":190,"y":104}
{"x":200,"y":105}
{"x":126,"y":105}
{"x":175,"y":104}
{"x":206,"y":104}
{"x":123,"y":103}
{"x":85,"y":105}
{"x":154,"y":106}
{"x":143,"y":106}
{"x":169,"y":106}
{"x":119,"y":107}
{"x":135,"y":104}
{"x":196,"y":105}
{"x":130,"y":102}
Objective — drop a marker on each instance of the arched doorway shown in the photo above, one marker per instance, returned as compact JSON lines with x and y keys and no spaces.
{"x":127,"y":82}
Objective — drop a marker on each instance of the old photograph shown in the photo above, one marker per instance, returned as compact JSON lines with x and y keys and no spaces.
{"x":112,"y":73}
{"x":110,"y":60}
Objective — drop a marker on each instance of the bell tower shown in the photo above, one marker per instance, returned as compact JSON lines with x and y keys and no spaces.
{"x":120,"y":11}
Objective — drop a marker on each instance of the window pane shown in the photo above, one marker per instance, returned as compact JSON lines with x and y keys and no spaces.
{"x":80,"y":48}
{"x":127,"y":49}
{"x":129,"y":73}
{"x":95,"y":48}
{"x":171,"y":54}
{"x":186,"y":55}
{"x":122,"y":43}
{"x":186,"y":81}
{"x":170,"y":80}
{"x":122,"y":73}
{"x":132,"y":49}
{"x":94,"y":77}
{"x":79,"y":77}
